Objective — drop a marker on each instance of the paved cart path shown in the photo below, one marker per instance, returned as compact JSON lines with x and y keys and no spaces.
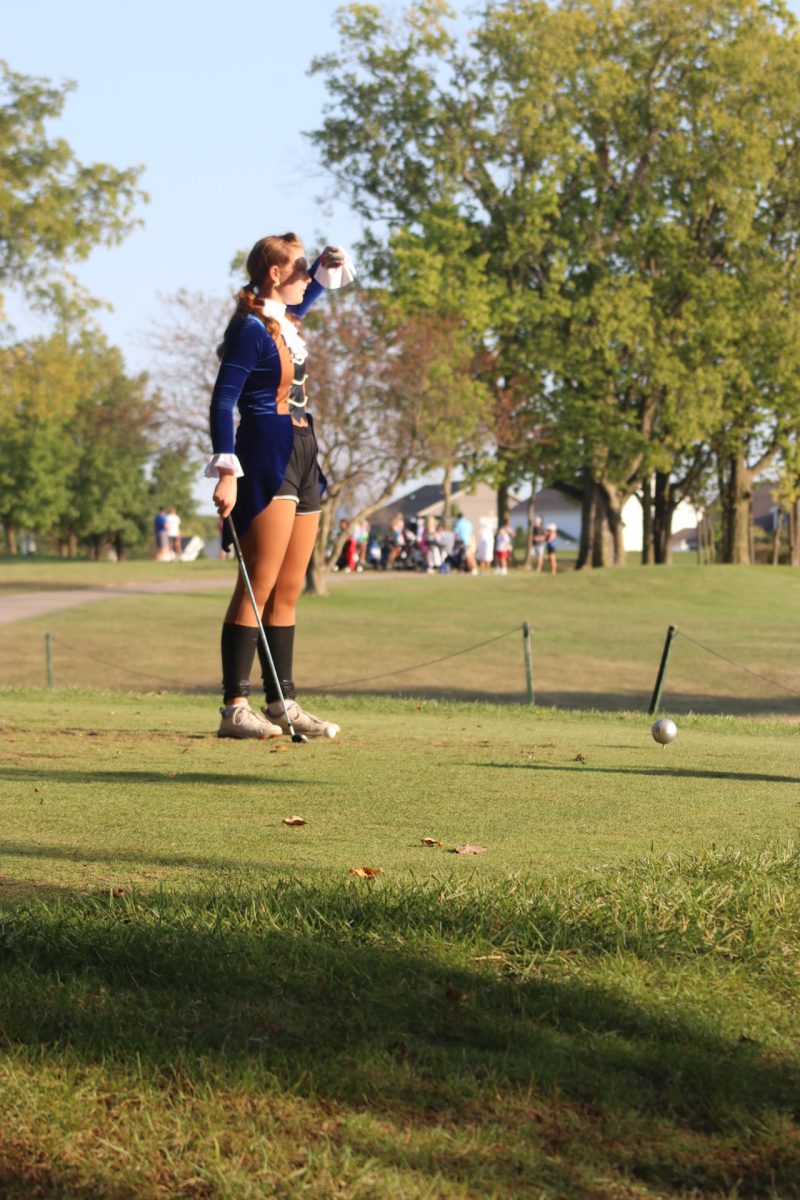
{"x":23,"y":605}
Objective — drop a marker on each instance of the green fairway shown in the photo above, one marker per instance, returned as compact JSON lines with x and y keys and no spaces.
{"x":596,"y":644}
{"x":199,"y":1000}
{"x":107,"y":789}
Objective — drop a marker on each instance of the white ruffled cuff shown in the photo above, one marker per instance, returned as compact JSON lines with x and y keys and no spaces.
{"x":223,"y":460}
{"x":336,"y":277}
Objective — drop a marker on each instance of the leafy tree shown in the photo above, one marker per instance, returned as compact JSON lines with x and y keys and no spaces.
{"x":39,"y":395}
{"x":53,"y":208}
{"x":629,"y":173}
{"x":172,"y":478}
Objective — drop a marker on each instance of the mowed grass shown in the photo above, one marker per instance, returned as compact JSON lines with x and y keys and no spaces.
{"x":597,"y":637}
{"x":200,"y":1001}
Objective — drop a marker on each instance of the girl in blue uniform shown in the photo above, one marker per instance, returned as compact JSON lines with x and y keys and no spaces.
{"x":268,"y":475}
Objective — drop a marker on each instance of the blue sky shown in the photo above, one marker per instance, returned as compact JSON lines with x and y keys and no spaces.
{"x":211,"y":99}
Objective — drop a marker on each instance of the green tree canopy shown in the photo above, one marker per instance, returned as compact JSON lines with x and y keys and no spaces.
{"x":626,"y":174}
{"x":54,"y":209}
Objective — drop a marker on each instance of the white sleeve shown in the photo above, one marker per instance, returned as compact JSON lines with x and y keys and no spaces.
{"x":223,"y":460}
{"x":336,"y":277}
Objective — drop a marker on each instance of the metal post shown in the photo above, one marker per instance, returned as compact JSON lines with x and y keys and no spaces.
{"x":526,"y":648}
{"x":662,"y":670}
{"x":48,"y":653}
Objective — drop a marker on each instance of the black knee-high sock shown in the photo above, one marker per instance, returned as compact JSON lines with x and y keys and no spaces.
{"x":280,"y":639}
{"x":238,"y":651}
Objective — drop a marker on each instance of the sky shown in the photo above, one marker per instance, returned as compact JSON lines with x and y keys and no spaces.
{"x":212,"y":100}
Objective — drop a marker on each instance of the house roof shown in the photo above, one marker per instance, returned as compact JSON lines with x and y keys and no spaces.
{"x":424,"y":500}
{"x":548,"y":498}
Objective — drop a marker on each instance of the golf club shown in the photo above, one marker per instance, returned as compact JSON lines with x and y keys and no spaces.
{"x":296,"y":737}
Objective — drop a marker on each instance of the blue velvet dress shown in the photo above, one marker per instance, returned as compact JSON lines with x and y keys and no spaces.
{"x":256,"y":373}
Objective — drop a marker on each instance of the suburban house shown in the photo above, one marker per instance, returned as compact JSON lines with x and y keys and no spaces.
{"x":480,"y":505}
{"x":565,"y":513}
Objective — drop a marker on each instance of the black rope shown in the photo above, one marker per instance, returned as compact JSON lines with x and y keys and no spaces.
{"x":332,"y":687}
{"x":118,"y":666}
{"x":732,"y":663}
{"x":321,"y":687}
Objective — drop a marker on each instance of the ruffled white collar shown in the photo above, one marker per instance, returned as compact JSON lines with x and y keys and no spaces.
{"x":291,"y":334}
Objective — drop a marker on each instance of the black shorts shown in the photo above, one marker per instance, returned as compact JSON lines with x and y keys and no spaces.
{"x":301,"y":481}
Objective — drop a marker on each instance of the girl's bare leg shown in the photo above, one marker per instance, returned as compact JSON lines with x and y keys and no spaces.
{"x":279,"y":608}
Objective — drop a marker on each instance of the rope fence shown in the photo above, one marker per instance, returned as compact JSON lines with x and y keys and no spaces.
{"x":50,"y":640}
{"x":672,"y":633}
{"x":524,"y":628}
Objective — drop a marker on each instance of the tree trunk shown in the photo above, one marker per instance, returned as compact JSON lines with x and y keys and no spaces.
{"x":737,"y":512}
{"x":794,"y":534}
{"x":663,"y":512}
{"x":646,"y":501}
{"x":502,"y":504}
{"x":530,"y":516}
{"x":588,"y":521}
{"x":315,"y":571}
{"x":601,"y":543}
{"x":776,"y":538}
{"x":447,"y":495}
{"x":11,"y":539}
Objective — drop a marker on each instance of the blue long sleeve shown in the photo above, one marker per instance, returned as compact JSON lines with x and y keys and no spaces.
{"x":250,"y":362}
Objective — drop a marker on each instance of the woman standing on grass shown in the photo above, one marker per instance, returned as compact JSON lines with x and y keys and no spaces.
{"x":269,"y":477}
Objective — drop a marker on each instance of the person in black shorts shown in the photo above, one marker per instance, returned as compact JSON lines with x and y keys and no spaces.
{"x":269,"y":479}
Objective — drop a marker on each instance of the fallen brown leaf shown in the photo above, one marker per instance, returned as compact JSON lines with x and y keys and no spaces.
{"x":279,"y":749}
{"x":579,"y":758}
{"x":467,"y":849}
{"x":293,"y":821}
{"x":365,"y":872}
{"x":431,"y":842}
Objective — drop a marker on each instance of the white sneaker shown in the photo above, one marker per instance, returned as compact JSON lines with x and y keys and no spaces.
{"x":242,"y":721}
{"x":304,"y":722}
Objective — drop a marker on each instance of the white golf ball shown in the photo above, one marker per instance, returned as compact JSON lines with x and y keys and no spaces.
{"x":664,"y":731}
{"x":331,"y":731}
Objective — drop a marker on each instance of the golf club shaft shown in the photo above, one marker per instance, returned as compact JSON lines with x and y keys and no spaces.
{"x":259,"y":622}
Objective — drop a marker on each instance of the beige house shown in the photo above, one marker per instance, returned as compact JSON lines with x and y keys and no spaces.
{"x":479,"y":505}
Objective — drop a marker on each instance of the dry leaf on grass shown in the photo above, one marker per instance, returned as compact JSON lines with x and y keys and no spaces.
{"x":365,"y":872}
{"x":488,"y":958}
{"x":467,"y":849}
{"x":579,"y":757}
{"x":293,"y":821}
{"x":431,"y":842}
{"x":279,"y":749}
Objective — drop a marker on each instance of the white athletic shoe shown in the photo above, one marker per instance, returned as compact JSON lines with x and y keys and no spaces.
{"x":242,"y":721}
{"x":304,"y":722}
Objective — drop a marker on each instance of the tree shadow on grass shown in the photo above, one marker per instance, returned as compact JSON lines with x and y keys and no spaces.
{"x":137,"y":778}
{"x":88,"y":854}
{"x":332,"y":997}
{"x":664,"y":772}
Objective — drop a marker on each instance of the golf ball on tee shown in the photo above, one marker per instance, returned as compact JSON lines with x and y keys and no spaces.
{"x":664,"y":731}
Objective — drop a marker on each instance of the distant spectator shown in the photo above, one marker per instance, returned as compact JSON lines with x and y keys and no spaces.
{"x":361,"y":534}
{"x":550,"y":545}
{"x":396,"y":540}
{"x":162,"y":540}
{"x":173,"y":529}
{"x":348,"y":557}
{"x":432,"y":545}
{"x":465,"y":534}
{"x":485,"y":551}
{"x":502,"y":546}
{"x":539,"y":539}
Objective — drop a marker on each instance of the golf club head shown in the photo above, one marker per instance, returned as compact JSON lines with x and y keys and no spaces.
{"x":299,"y":737}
